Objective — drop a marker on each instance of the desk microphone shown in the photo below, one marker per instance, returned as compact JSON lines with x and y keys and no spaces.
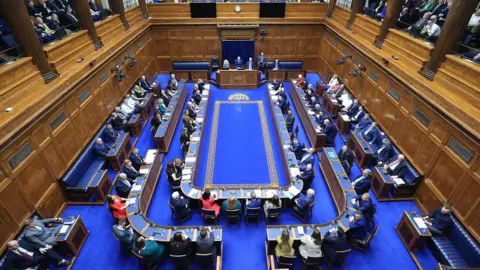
{"x":137,"y":212}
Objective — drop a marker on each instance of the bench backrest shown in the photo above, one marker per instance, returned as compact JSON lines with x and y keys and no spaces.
{"x":286,"y":64}
{"x":465,"y":244}
{"x":189,"y":65}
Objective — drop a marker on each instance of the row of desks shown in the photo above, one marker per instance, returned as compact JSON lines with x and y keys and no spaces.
{"x":164,"y":134}
{"x":312,"y":128}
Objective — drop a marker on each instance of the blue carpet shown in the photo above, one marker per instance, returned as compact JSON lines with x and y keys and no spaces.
{"x":244,"y":246}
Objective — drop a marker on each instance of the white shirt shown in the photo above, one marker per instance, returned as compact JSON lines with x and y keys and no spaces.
{"x":474,"y":20}
{"x":357,"y":115}
{"x":20,"y":249}
{"x":126,"y":182}
{"x":381,"y":148}
{"x":126,"y":109}
{"x":433,"y":30}
{"x":358,"y":180}
{"x":369,"y":129}
{"x":333,"y":81}
{"x":394,"y":165}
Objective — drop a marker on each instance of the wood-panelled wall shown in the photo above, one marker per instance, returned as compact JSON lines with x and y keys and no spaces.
{"x":202,"y":43}
{"x":39,"y":155}
{"x":448,"y":157}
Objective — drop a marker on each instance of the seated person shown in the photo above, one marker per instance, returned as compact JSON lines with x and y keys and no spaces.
{"x":304,"y":201}
{"x":346,"y":156}
{"x":180,"y":204}
{"x":186,"y":117}
{"x":384,"y":153}
{"x":164,"y":97}
{"x":42,"y":34}
{"x":362,"y":183}
{"x":372,"y":134}
{"x":290,"y":120}
{"x":364,"y":203}
{"x":380,"y":15}
{"x":55,"y":24}
{"x":226,"y":64}
{"x":160,"y":108}
{"x":173,"y":83}
{"x":358,"y":226}
{"x":250,"y":65}
{"x":206,"y":243}
{"x":276,"y":65}
{"x":150,"y":250}
{"x":297,"y":148}
{"x":311,"y":245}
{"x":355,"y":119}
{"x":123,"y":185}
{"x":333,"y":81}
{"x":308,"y":96}
{"x":191,"y":126}
{"x":307,"y":158}
{"x":307,"y":176}
{"x":139,"y":92}
{"x":419,"y":24}
{"x":26,"y":255}
{"x":283,"y":104}
{"x":284,"y":245}
{"x":430,"y":31}
{"x":109,"y":134}
{"x":208,"y":202}
{"x":101,"y":149}
{"x":253,"y":202}
{"x":118,"y":206}
{"x":129,"y":170}
{"x":97,"y":11}
{"x":124,"y":233}
{"x":145,"y":84}
{"x":300,"y":81}
{"x":37,"y":233}
{"x":261,"y":60}
{"x":201,"y":85}
{"x":232,"y":204}
{"x":156,"y":120}
{"x":238,"y":63}
{"x":121,"y":115}
{"x":318,"y":108}
{"x":353,"y":110}
{"x":136,"y":159}
{"x":396,"y":166}
{"x":439,"y":220}
{"x":197,"y":96}
{"x":275,"y":84}
{"x":364,"y":124}
{"x":272,"y":203}
{"x":170,"y":92}
{"x":330,"y":132}
{"x":313,"y":102}
{"x":192,"y":111}
{"x":174,"y":175}
{"x":127,"y":109}
{"x":320,"y":117}
{"x":181,"y":244}
{"x":334,"y":240}
{"x":281,"y":93}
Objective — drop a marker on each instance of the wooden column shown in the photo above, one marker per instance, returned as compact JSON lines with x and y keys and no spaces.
{"x":16,"y":14}
{"x":331,"y":7}
{"x":82,"y":11}
{"x":357,"y":6}
{"x":453,"y":29}
{"x":143,"y":6}
{"x":118,"y":8}
{"x":391,"y":17}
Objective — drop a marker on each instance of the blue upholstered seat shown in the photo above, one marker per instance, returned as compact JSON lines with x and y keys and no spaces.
{"x":457,"y":248}
{"x":189,"y":65}
{"x":286,"y":64}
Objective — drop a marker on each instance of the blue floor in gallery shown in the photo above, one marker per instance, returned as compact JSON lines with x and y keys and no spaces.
{"x":244,"y":247}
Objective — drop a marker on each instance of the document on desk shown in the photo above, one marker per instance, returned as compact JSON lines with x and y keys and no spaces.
{"x":286,"y":146}
{"x":345,"y":117}
{"x":270,"y":193}
{"x":133,"y":200}
{"x":195,"y":139}
{"x":214,"y":194}
{"x":310,"y":112}
{"x":399,"y":181}
{"x":63,"y":230}
{"x":190,"y":159}
{"x":300,"y":230}
{"x":294,"y":190}
{"x":187,"y":177}
{"x":199,"y":120}
{"x":144,"y":170}
{"x":258,"y":192}
{"x":136,"y":187}
{"x":420,"y":222}
{"x":150,"y":157}
{"x":193,"y":193}
{"x":187,"y":171}
{"x":294,"y":172}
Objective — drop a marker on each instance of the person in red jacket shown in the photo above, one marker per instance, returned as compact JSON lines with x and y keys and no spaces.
{"x":118,"y":206}
{"x":300,"y":81}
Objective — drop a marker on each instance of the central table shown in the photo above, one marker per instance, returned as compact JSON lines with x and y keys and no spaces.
{"x":238,"y":78}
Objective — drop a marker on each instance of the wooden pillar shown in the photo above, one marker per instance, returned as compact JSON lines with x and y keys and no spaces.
{"x":458,"y":17}
{"x":357,"y":7}
{"x":82,"y":11}
{"x":143,"y":6}
{"x":16,"y":14}
{"x":391,"y":17}
{"x":331,"y":7}
{"x":118,"y":8}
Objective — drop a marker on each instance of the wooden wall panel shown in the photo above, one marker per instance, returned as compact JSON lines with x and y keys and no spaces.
{"x":35,"y":179}
{"x":54,"y":159}
{"x":16,"y":206}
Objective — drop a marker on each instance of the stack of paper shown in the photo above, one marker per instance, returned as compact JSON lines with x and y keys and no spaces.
{"x":300,"y":230}
{"x":144,"y":170}
{"x":399,"y":181}
{"x":195,"y":139}
{"x":286,"y":146}
{"x":294,"y":172}
{"x":136,"y":187}
{"x":420,"y":222}
{"x":310,"y":112}
{"x":187,"y":177}
{"x":345,"y":117}
{"x":63,"y":229}
{"x":190,"y":159}
{"x":294,"y":190}
{"x":288,"y":194}
{"x":150,"y":157}
{"x":199,"y":119}
{"x":133,"y":200}
{"x":187,"y":171}
{"x":193,"y":193}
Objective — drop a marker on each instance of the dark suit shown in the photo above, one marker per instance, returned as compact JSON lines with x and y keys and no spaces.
{"x":283,"y":105}
{"x":399,"y":170}
{"x":109,"y":135}
{"x":137,"y":161}
{"x":289,"y":122}
{"x":122,"y":188}
{"x":356,"y":118}
{"x":320,"y":119}
{"x":155,"y":122}
{"x":45,"y":11}
{"x":207,"y":245}
{"x":384,"y":153}
{"x":298,"y":150}
{"x":276,"y":85}
{"x":191,"y":113}
{"x":145,"y":85}
{"x":282,"y":94}
{"x":125,"y":236}
{"x":17,"y":261}
{"x":304,"y":201}
{"x":131,"y":172}
{"x":119,"y":124}
{"x":184,"y":248}
{"x":165,"y":99}
{"x":362,"y":186}
{"x":364,"y":124}
{"x":197,"y":98}
{"x":305,"y":160}
{"x":261,"y":62}
{"x":250,"y":65}
{"x":238,"y":64}
{"x":101,"y":150}
{"x":346,"y":156}
{"x":307,"y":176}
{"x":181,"y":207}
{"x":358,"y":230}
{"x":353,"y":110}
{"x":365,"y":206}
{"x":331,"y":244}
{"x":330,"y":132}
{"x":373,"y":136}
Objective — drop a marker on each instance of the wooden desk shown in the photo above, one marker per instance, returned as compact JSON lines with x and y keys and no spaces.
{"x":285,"y":74}
{"x":331,"y":105}
{"x":319,"y":88}
{"x":120,"y":151}
{"x":146,"y":107}
{"x":343,"y":125}
{"x":410,"y":233}
{"x":135,"y":125}
{"x":362,"y":150}
{"x":317,"y":139}
{"x":191,"y":75}
{"x":71,"y":242}
{"x":382,"y":183}
{"x":238,"y":78}
{"x":164,"y":134}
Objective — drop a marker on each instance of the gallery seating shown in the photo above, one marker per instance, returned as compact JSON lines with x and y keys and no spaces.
{"x":457,"y":248}
{"x":191,"y":70}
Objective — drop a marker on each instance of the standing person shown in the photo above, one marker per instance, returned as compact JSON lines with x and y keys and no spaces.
{"x":261,"y":62}
{"x":290,"y":120}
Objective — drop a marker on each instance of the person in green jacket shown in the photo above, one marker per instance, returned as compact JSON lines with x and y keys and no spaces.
{"x":149,"y":249}
{"x":161,"y":106}
{"x":231,"y":204}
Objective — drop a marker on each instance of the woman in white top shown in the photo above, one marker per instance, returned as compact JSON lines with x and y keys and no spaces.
{"x":274,"y":202}
{"x":333,"y":82}
{"x":311,"y":245}
{"x":226,"y":64}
